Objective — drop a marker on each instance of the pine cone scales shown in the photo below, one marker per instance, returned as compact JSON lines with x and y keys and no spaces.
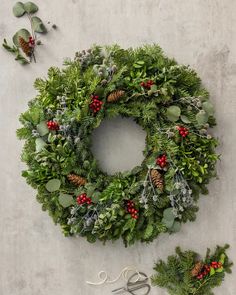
{"x":115,"y":95}
{"x":25,"y":46}
{"x":76,"y":179}
{"x":157,"y":179}
{"x":197,"y":268}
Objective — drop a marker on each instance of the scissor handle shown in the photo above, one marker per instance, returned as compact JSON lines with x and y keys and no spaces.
{"x":138,"y":287}
{"x":142,"y":278}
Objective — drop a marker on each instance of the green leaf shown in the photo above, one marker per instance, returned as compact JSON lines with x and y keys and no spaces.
{"x":222,"y":258}
{"x":18,"y":9}
{"x":173,"y":113}
{"x":95,"y":196}
{"x":53,"y":185}
{"x":168,"y":214}
{"x":30,"y":7}
{"x":167,"y":223}
{"x":38,"y":25}
{"x":148,"y":232}
{"x":40,"y":144}
{"x":208,"y":107}
{"x":212,"y":271}
{"x":220,"y":269}
{"x":42,"y":128}
{"x":185,"y":119}
{"x":25,"y":34}
{"x":65,"y":200}
{"x":202,"y":117}
{"x":176,"y":227}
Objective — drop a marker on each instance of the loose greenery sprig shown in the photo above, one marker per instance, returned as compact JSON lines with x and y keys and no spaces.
{"x":186,"y":273}
{"x":166,"y":99}
{"x":25,"y":42}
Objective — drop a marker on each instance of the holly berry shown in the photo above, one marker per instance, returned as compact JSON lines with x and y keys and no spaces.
{"x":162,"y":161}
{"x":130,"y":208}
{"x":148,"y":84}
{"x":96,"y":104}
{"x":183,"y":131}
{"x":31,"y":41}
{"x":83,"y":199}
{"x":52,"y":125}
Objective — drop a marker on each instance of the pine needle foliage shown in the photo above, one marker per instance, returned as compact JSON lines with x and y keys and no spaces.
{"x":175,"y":274}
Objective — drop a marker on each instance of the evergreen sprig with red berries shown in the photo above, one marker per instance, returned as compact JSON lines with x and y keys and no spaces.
{"x":25,"y":41}
{"x":165,"y":99}
{"x":186,"y":273}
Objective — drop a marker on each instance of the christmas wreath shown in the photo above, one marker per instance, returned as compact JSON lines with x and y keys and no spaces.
{"x":187,"y":273}
{"x":164,"y":98}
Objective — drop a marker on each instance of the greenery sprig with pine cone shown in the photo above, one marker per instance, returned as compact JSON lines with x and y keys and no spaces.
{"x":170,"y":104}
{"x":24,"y":41}
{"x":186,"y":273}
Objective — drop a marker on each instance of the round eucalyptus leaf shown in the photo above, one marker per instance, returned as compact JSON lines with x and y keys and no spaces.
{"x":173,"y":113}
{"x":185,"y":119}
{"x":18,"y":9}
{"x":53,"y":185}
{"x":42,"y":128}
{"x":168,"y":223}
{"x":39,"y":144}
{"x":208,"y":107}
{"x":66,"y":200}
{"x":202,"y":117}
{"x":176,"y":227}
{"x":168,"y":214}
{"x":25,"y":34}
{"x":30,"y":7}
{"x":38,"y":25}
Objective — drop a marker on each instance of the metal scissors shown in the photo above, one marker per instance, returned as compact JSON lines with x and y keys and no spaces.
{"x":138,"y":281}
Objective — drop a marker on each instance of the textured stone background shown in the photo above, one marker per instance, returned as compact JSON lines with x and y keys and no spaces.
{"x":35,"y":259}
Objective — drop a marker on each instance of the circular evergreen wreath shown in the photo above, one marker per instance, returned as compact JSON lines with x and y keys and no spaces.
{"x":164,"y":98}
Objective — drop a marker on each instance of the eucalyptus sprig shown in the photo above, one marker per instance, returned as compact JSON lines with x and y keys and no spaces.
{"x":25,"y":41}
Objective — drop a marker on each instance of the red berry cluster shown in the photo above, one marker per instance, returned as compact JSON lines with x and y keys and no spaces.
{"x":183,"y":131}
{"x":147,"y":84}
{"x":83,"y":199}
{"x":130,"y":207}
{"x":31,"y":42}
{"x":162,"y":161}
{"x":96,"y":104}
{"x":207,"y":268}
{"x":52,"y":125}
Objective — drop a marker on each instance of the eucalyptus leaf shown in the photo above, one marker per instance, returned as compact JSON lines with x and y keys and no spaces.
{"x":30,"y":7}
{"x":39,"y":144}
{"x":202,"y":117}
{"x":42,"y":128}
{"x":173,"y":113}
{"x":168,"y":214}
{"x":18,"y":9}
{"x":38,"y":25}
{"x":185,"y":119}
{"x":168,"y":223}
{"x":53,"y":185}
{"x":208,"y":107}
{"x":66,"y":200}
{"x":176,"y":227}
{"x":25,"y":34}
{"x":95,"y":196}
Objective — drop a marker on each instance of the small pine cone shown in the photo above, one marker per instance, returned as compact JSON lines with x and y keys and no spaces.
{"x":76,"y":179}
{"x":157,"y":179}
{"x":197,"y":268}
{"x":115,"y":95}
{"x":25,"y":46}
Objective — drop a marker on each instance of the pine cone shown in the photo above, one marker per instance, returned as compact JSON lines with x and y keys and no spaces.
{"x":115,"y":95}
{"x":197,"y":268}
{"x":25,"y":46}
{"x":157,"y":179}
{"x":76,"y":179}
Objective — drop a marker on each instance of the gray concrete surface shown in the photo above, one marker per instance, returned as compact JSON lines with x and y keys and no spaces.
{"x":35,"y":259}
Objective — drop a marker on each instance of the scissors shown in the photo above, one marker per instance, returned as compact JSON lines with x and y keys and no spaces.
{"x":138,"y":281}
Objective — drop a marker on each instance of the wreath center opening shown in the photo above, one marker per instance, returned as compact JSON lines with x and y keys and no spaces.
{"x":118,"y":144}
